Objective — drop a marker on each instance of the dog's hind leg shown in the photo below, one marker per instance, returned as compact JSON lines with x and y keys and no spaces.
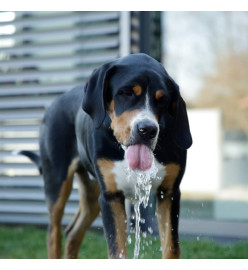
{"x":56,"y":211}
{"x":88,"y":210}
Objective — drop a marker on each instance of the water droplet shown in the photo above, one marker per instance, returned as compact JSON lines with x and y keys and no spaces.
{"x":121,"y":254}
{"x":150,"y":230}
{"x":129,"y":239}
{"x":142,"y":220}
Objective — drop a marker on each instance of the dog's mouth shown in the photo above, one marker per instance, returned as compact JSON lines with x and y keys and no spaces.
{"x":139,"y":157}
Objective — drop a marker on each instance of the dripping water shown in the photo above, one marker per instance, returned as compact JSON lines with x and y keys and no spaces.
{"x":143,"y":185}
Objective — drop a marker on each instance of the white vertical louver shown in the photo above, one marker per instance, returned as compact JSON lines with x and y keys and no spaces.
{"x":42,"y":54}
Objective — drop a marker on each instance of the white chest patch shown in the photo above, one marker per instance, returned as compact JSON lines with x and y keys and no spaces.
{"x":126,"y":179}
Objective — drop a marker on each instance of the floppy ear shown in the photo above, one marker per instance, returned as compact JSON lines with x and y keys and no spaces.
{"x":95,"y":94}
{"x":181,"y":130}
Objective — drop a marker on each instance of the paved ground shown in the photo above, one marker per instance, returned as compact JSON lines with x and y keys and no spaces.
{"x":222,"y":231}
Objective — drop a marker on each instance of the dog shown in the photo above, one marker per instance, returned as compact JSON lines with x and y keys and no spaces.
{"x":129,"y":114}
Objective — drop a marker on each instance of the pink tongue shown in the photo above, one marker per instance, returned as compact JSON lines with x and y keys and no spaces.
{"x":139,"y":157}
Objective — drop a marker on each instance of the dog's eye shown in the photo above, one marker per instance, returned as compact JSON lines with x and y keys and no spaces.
{"x":127,"y":93}
{"x":163,"y":104}
{"x":162,"y":101}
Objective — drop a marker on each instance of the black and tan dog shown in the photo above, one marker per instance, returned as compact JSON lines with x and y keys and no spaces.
{"x":133,"y":115}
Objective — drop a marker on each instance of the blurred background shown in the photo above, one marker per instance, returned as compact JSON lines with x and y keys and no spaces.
{"x":43,"y":54}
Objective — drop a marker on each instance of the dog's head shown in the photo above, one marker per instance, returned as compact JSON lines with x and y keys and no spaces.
{"x":140,"y":98}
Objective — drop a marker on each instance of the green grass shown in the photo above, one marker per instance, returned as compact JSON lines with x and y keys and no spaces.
{"x":30,"y":243}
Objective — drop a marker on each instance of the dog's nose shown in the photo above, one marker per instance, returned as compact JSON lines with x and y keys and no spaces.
{"x":147,"y":130}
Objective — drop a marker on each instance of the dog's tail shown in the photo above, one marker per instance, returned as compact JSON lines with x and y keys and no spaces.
{"x":33,"y":157}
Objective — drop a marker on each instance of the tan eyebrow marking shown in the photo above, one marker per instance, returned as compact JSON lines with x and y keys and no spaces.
{"x":159,"y":94}
{"x":137,"y":90}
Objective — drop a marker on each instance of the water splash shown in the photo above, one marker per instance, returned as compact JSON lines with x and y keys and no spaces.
{"x":143,"y":187}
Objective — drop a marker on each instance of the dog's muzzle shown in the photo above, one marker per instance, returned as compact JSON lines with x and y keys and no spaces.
{"x":145,"y":132}
{"x":139,"y":153}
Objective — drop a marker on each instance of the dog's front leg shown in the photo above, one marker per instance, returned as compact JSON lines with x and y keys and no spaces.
{"x":114,"y":222}
{"x":112,"y":203}
{"x":167,"y":216}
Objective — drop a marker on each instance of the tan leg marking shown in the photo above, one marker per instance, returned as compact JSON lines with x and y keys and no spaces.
{"x":89,"y":209}
{"x":169,"y":250}
{"x":121,"y":227}
{"x":54,"y":236}
{"x":117,"y":207}
{"x":106,"y":167}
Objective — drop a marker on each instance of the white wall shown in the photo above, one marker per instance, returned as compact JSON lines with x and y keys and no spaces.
{"x":204,"y":164}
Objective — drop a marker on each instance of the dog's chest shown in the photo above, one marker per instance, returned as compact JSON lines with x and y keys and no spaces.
{"x":126,"y":179}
